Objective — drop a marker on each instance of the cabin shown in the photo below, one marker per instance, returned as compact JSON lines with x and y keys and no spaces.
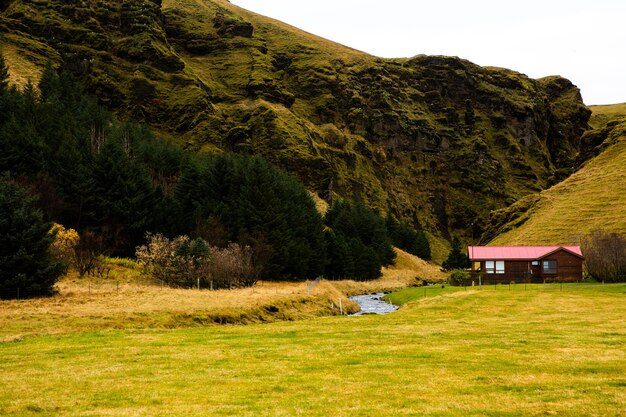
{"x":536,"y":264}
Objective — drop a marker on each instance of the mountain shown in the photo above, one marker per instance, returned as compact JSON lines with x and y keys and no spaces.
{"x":592,"y":198}
{"x":435,"y":140}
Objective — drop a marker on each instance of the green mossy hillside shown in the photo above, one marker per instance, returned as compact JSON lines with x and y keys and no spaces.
{"x":434,"y":140}
{"x":592,"y":198}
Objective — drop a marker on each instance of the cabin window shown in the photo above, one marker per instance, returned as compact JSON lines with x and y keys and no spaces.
{"x":494,"y":267}
{"x":535,"y":263}
{"x":549,"y":267}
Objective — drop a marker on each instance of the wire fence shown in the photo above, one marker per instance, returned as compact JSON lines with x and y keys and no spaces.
{"x":546,"y":286}
{"x":112,"y":287}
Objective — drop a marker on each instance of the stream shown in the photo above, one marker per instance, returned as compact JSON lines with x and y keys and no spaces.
{"x":373,"y":304}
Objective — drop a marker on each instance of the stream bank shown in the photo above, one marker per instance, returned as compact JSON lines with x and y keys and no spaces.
{"x":373,"y":304}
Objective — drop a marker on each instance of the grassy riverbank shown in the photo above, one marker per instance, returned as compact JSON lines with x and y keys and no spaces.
{"x":125,"y":300}
{"x":461,"y":353}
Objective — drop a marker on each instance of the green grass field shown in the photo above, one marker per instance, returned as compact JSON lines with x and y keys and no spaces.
{"x":539,"y":351}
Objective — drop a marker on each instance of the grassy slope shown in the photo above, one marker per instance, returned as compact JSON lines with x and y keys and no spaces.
{"x":517,"y":353}
{"x":125,"y":301}
{"x":601,"y":115}
{"x":592,"y":198}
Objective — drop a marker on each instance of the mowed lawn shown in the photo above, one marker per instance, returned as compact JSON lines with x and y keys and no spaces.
{"x":460,"y":353}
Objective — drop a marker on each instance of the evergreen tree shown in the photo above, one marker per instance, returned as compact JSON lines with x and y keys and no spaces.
{"x":5,"y":107}
{"x":188,"y":195}
{"x":405,"y":237}
{"x":355,"y":220}
{"x":258,"y":205}
{"x":122,"y":199}
{"x":49,"y":85}
{"x":22,"y":150}
{"x":366,"y":262}
{"x":272,"y":205}
{"x":4,"y":75}
{"x":339,"y":257}
{"x":422,"y":246}
{"x":25,"y":263}
{"x":457,"y":259}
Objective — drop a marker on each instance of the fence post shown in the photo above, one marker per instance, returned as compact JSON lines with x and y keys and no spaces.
{"x":198,"y":283}
{"x":211,"y":285}
{"x":340,"y":307}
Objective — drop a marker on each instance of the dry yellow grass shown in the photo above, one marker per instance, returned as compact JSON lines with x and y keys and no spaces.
{"x":125,"y":300}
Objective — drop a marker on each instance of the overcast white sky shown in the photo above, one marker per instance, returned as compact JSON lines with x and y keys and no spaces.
{"x":584,"y":41}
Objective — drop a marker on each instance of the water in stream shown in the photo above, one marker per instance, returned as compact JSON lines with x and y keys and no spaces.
{"x":373,"y":304}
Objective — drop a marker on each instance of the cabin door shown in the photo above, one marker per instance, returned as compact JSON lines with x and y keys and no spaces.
{"x":535,"y":269}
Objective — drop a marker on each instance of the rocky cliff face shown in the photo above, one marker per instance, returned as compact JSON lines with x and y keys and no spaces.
{"x":434,"y":139}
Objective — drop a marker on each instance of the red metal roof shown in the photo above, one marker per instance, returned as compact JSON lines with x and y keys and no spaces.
{"x":483,"y":253}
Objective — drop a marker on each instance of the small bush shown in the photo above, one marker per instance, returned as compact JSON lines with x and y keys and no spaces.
{"x":457,"y":258}
{"x":182,"y":262}
{"x":63,"y":244}
{"x":605,"y":256}
{"x":459,"y":277}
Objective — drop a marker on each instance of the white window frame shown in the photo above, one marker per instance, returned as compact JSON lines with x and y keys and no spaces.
{"x":545,"y":270}
{"x":494,"y":267}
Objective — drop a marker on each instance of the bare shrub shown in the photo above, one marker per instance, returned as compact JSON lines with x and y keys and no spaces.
{"x":182,"y":262}
{"x":605,"y":255}
{"x":231,"y":266}
{"x":87,"y":251}
{"x":159,"y":261}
